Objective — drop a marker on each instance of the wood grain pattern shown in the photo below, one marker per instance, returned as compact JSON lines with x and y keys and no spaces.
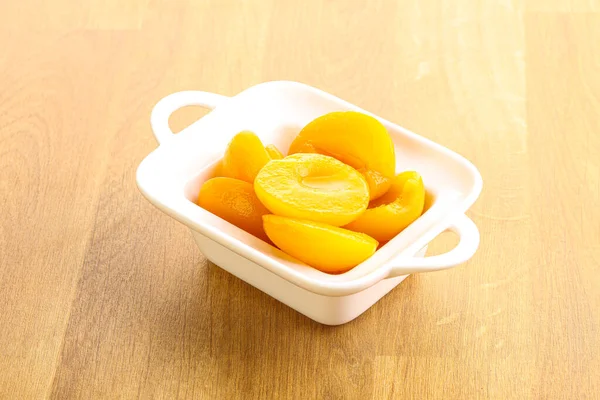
{"x":103,"y":296}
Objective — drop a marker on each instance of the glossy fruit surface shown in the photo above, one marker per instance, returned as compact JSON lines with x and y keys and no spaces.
{"x":322,"y":246}
{"x":400,"y":206}
{"x":312,"y":187}
{"x":244,"y":157}
{"x":274,"y":152}
{"x":356,"y":139}
{"x":234,"y":201}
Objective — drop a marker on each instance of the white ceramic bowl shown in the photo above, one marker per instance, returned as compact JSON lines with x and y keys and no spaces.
{"x":171,"y":176}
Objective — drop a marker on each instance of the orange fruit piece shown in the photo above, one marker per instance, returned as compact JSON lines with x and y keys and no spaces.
{"x":218,"y":169}
{"x":274,"y":152}
{"x":244,"y":157}
{"x":322,"y":246}
{"x":356,"y":139}
{"x":234,"y":201}
{"x":393,"y":212}
{"x":312,"y":187}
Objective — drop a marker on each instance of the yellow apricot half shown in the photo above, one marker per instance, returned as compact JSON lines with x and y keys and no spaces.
{"x":327,"y":248}
{"x":274,"y":152}
{"x":356,"y":139}
{"x":312,"y":187}
{"x":400,"y":206}
{"x":244,"y":157}
{"x":234,"y":201}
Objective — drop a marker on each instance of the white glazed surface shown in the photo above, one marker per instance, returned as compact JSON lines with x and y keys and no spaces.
{"x":276,"y":111}
{"x":327,"y":310}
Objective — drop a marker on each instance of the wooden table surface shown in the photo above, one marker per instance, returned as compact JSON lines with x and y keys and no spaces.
{"x":103,"y":296}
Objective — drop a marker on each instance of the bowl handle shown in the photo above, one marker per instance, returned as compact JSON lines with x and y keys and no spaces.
{"x":464,"y":250}
{"x":161,"y":112}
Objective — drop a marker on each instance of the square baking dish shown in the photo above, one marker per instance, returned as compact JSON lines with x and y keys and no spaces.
{"x":170,"y":178}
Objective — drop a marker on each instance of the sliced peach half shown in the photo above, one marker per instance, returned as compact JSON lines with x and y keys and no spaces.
{"x":244,"y":157}
{"x":327,"y":248}
{"x":274,"y":152}
{"x":235,"y":201}
{"x":390,"y":214}
{"x":356,"y":139}
{"x":312,"y":187}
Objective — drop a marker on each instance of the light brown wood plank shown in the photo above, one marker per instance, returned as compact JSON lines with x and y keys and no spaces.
{"x":53,"y":135}
{"x":566,"y":6}
{"x":103,"y":296}
{"x":562,"y":108}
{"x":66,"y":15}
